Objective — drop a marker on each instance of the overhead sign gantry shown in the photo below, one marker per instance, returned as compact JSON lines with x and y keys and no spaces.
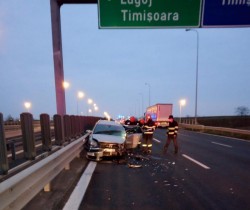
{"x":149,"y":13}
{"x":226,"y":13}
{"x":173,"y":13}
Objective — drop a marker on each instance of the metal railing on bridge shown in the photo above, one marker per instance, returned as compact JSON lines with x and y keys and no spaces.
{"x":58,"y":132}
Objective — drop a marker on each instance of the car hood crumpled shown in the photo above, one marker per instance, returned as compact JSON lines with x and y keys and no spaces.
{"x":109,"y":138}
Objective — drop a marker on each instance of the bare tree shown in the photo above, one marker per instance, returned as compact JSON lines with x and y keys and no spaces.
{"x":242,"y":110}
{"x":9,"y":118}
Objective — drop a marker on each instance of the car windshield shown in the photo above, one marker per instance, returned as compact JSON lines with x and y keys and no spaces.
{"x":109,"y":130}
{"x":133,"y":129}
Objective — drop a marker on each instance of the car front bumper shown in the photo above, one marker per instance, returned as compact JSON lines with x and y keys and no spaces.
{"x":95,"y":155}
{"x":106,"y":152}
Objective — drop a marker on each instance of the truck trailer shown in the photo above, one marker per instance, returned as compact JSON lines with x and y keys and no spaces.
{"x":160,"y":113}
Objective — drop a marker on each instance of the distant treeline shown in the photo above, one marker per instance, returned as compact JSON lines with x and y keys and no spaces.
{"x":240,"y":122}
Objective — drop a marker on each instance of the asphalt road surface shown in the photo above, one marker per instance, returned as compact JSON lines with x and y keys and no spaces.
{"x":209,"y":172}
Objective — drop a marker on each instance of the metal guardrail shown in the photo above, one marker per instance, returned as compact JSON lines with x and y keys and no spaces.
{"x":18,"y":190}
{"x":221,"y":130}
{"x":12,"y":127}
{"x":66,"y":128}
{"x":12,"y":143}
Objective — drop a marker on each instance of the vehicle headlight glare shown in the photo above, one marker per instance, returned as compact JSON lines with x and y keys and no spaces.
{"x":93,"y":143}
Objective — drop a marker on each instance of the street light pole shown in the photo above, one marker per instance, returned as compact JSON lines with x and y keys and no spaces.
{"x":197,"y":72}
{"x":80,"y":95}
{"x":148,"y":92}
{"x":182,"y":103}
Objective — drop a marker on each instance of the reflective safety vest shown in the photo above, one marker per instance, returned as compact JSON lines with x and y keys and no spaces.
{"x":172,"y":128}
{"x":148,"y":129}
{"x":147,"y":145}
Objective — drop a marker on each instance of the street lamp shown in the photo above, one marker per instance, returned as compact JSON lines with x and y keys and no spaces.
{"x":197,"y":68}
{"x":27,"y":105}
{"x":107,"y":115}
{"x":90,"y":101}
{"x":66,"y":84}
{"x":182,"y":102}
{"x":80,"y":95}
{"x":96,"y":107}
{"x":148,"y":92}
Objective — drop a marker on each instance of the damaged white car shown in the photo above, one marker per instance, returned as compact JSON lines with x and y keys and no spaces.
{"x":110,"y":138}
{"x":107,"y":139}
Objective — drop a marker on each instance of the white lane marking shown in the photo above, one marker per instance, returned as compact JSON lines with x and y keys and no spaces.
{"x":195,"y":161}
{"x":225,"y":145}
{"x":227,"y":137}
{"x":158,"y":141}
{"x":76,"y":197}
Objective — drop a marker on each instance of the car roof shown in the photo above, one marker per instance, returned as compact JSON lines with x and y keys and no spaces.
{"x":107,"y":122}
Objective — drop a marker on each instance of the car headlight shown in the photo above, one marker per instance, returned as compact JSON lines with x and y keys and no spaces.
{"x":93,"y":143}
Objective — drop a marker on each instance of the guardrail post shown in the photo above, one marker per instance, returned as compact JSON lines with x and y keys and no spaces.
{"x":28,"y":136}
{"x":78,"y":125}
{"x":13,"y":150}
{"x":59,"y":129}
{"x":45,"y":132}
{"x":82,"y":124}
{"x":4,"y":165}
{"x":73,"y":125}
{"x":67,"y":127}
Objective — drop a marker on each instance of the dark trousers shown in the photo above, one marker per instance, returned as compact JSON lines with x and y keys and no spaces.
{"x":169,"y":139}
{"x":147,"y":142}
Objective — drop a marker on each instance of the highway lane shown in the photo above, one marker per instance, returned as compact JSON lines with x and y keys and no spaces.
{"x":228,"y":160}
{"x":210,"y":172}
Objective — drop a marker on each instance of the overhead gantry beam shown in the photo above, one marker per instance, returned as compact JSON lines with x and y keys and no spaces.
{"x":57,"y":49}
{"x":77,"y":1}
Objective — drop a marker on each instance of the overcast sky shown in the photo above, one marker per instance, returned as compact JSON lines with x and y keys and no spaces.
{"x":112,"y":66}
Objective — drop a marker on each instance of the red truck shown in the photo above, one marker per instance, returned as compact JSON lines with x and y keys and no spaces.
{"x":160,"y":113}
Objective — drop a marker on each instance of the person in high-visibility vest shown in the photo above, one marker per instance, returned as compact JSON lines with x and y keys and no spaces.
{"x":148,"y":131}
{"x":172,"y":131}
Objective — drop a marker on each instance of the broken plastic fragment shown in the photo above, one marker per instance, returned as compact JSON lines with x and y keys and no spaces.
{"x":134,"y":166}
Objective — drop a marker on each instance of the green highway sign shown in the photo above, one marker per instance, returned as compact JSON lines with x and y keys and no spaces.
{"x":149,"y":13}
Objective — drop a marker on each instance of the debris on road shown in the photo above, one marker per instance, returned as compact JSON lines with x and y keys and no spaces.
{"x":134,"y":166}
